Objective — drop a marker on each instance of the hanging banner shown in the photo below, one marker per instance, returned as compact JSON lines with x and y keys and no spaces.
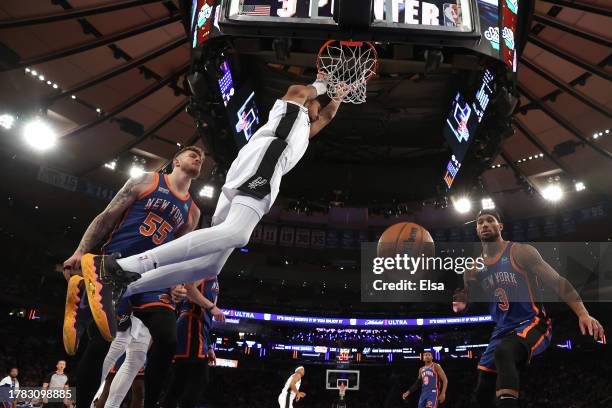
{"x":257,"y":233}
{"x":302,"y":238}
{"x":287,"y":236}
{"x":348,"y":239}
{"x":270,"y":233}
{"x":317,"y":239}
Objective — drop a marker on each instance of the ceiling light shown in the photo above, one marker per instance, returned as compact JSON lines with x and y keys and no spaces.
{"x":55,"y":86}
{"x":7,"y":120}
{"x":27,"y":69}
{"x":462,"y":205}
{"x":207,"y":191}
{"x":73,"y":96}
{"x":49,"y":82}
{"x":136,"y":171}
{"x":98,"y":110}
{"x":111,"y":165}
{"x":39,"y":135}
{"x":580,"y":186}
{"x":487,"y":204}
{"x":552,"y":192}
{"x":41,"y":77}
{"x":34,"y":73}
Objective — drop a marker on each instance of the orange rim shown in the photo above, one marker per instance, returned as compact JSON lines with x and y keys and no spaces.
{"x":350,"y":44}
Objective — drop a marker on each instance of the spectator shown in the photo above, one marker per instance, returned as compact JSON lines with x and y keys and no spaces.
{"x":56,"y":380}
{"x":11,"y":381}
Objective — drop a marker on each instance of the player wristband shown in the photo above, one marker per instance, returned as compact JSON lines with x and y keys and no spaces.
{"x":320,"y":86}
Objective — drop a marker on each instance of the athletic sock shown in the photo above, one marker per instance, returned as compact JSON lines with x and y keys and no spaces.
{"x":507,"y":401}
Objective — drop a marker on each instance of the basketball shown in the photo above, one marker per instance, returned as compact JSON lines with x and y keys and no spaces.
{"x":405,"y":238}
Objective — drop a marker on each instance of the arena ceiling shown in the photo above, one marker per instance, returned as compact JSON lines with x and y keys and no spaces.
{"x":120,"y":93}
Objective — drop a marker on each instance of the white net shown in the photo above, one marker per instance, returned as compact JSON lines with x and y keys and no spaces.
{"x":347,"y":67}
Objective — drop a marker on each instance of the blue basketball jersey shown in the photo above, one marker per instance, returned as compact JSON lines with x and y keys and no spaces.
{"x":194,"y":324}
{"x":209,"y":288}
{"x":514,"y":294}
{"x":152,"y":220}
{"x":429,"y":381}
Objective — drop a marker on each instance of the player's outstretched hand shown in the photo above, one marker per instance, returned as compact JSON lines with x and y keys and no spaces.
{"x":212,"y":358}
{"x":405,"y":395}
{"x":442,"y":398}
{"x":589,"y":325}
{"x":459,"y":301}
{"x":300,"y":395}
{"x":342,"y":89}
{"x":72,"y":265}
{"x":178,"y":293}
{"x":218,"y":314}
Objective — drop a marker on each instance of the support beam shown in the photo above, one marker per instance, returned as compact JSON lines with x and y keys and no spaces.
{"x":593,"y":69}
{"x":550,"y":77}
{"x":589,"y":8}
{"x":551,"y":22}
{"x":537,"y":143}
{"x":149,"y":133}
{"x":73,"y":14}
{"x":108,"y":39}
{"x":127,"y":103}
{"x":117,"y":71}
{"x":562,"y":121}
{"x":515,"y":169}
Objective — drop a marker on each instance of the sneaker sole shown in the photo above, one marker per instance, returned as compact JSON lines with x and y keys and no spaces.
{"x":94,"y":295}
{"x":70,"y":315}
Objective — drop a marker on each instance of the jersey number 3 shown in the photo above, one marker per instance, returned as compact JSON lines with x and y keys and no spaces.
{"x":503,"y":304}
{"x":155,"y":226}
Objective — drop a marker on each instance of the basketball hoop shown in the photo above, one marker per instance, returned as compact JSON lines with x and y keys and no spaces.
{"x":347,"y":66}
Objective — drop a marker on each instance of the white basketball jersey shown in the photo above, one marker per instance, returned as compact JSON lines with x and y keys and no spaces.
{"x":298,"y":136}
{"x":286,"y":387}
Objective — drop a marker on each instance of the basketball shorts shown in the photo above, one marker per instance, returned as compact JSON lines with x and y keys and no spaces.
{"x":285,"y":400}
{"x":534,"y":334}
{"x":428,"y":401}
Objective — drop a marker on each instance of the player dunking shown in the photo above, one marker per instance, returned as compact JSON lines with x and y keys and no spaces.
{"x":429,"y":379}
{"x":251,"y":187}
{"x":510,"y":281}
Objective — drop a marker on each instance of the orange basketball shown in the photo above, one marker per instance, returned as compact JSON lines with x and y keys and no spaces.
{"x":405,"y":238}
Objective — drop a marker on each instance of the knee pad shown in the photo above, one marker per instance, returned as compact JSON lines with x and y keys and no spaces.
{"x":484,"y":395}
{"x":509,"y":356}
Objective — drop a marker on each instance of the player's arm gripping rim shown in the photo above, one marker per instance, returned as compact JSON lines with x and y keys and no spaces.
{"x":444,"y":379}
{"x":195,"y":296}
{"x":414,"y":387}
{"x":325,"y":116}
{"x":104,"y":222}
{"x":528,"y":258}
{"x":301,"y":94}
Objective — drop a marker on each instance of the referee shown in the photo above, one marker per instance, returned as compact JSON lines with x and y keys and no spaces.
{"x":56,"y":380}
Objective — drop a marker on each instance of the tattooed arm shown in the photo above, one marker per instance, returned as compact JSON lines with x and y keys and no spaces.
{"x":104,"y":222}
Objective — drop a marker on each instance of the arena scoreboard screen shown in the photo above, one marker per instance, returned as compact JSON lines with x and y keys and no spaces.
{"x":485,"y":26}
{"x":466,"y":114}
